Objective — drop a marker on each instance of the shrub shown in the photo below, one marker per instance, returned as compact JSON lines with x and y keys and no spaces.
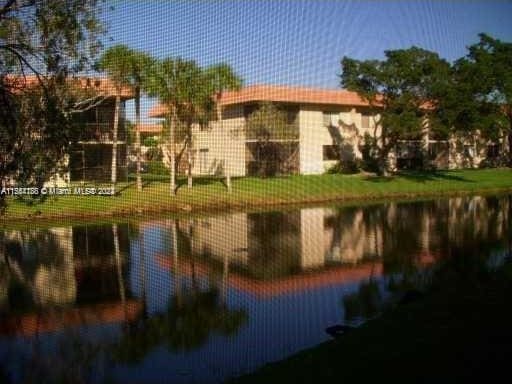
{"x":156,"y":168}
{"x":154,"y":154}
{"x":348,"y":167}
{"x":150,"y":142}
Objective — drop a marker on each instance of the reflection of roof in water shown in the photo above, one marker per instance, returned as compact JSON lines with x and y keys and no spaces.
{"x":54,"y":320}
{"x":280,"y":286}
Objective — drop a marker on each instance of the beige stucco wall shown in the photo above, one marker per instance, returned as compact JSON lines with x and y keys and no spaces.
{"x":314,"y":135}
{"x":225,"y":142}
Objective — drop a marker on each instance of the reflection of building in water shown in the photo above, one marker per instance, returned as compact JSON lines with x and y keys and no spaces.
{"x":62,"y":268}
{"x":272,"y":244}
{"x":48,"y":257}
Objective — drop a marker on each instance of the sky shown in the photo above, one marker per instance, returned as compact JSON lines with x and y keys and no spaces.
{"x":299,"y":42}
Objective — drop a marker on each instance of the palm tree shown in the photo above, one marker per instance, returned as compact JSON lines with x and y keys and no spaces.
{"x":141,"y":64}
{"x":127,"y":68}
{"x":116,"y":62}
{"x":169,"y":80}
{"x":222,"y":78}
{"x":194,"y":107}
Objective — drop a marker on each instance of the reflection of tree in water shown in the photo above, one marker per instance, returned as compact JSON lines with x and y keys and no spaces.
{"x":192,"y":315}
{"x":187,"y":324}
{"x":70,"y":359}
{"x":274,"y":244}
{"x":462,"y":233}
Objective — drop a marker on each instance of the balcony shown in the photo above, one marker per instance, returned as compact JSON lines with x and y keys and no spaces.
{"x":100,"y":132}
{"x":287,"y":132}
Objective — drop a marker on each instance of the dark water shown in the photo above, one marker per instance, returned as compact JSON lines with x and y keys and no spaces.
{"x":206,"y":299}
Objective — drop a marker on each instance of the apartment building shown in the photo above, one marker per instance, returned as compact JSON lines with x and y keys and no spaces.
{"x":90,"y":155}
{"x":324,"y":127}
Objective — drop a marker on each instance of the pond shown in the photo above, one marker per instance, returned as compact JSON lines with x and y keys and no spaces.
{"x":204,"y":299}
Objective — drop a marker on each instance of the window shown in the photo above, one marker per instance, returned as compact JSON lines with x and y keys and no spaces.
{"x":331,"y":119}
{"x":330,"y":152}
{"x":291,"y":115}
{"x":365,"y":121}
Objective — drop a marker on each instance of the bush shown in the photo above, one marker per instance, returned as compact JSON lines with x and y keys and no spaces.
{"x":156,"y":168}
{"x":348,"y":167}
{"x":154,"y":154}
{"x":150,"y":142}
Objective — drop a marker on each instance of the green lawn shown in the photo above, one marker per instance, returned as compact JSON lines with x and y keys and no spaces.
{"x":250,"y":193}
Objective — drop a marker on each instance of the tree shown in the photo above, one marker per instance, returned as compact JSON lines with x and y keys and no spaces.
{"x":202,"y":96}
{"x":50,"y":40}
{"x":129,"y":67}
{"x":400,"y":91}
{"x":117,"y":63}
{"x":189,"y":94}
{"x":194,"y":107}
{"x":479,"y":97}
{"x":221,"y":78}
{"x":168,"y":80}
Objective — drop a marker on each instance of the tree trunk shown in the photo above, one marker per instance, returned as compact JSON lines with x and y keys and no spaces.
{"x":189,"y":160}
{"x":383,"y":154}
{"x":137,"y":138}
{"x":510,"y":145}
{"x":114,"y":143}
{"x":228,"y":178}
{"x":172,"y":151}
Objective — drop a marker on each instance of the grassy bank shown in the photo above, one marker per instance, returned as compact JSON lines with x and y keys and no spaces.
{"x":459,"y":332}
{"x":211,"y":194}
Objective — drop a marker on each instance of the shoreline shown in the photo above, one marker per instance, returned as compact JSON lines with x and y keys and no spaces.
{"x":212,"y":208}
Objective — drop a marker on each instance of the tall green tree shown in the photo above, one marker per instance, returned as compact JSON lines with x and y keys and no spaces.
{"x":479,"y":96}
{"x":50,"y":40}
{"x":400,"y":90}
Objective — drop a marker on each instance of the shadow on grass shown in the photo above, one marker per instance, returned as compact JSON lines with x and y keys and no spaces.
{"x":419,"y":177}
{"x":182,"y":182}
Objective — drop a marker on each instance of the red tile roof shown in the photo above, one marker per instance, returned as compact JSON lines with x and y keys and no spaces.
{"x":157,"y":111}
{"x":102,"y":85}
{"x":33,"y":323}
{"x":282,"y":94}
{"x":285,"y":285}
{"x":150,"y":128}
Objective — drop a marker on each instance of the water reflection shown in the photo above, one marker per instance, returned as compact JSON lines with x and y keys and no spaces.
{"x":203,"y":299}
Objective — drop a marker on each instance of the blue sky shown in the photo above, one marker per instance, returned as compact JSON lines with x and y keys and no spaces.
{"x":300,"y":42}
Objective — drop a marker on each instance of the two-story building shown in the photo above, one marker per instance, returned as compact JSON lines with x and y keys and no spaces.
{"x":324,"y":127}
{"x":90,"y":155}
